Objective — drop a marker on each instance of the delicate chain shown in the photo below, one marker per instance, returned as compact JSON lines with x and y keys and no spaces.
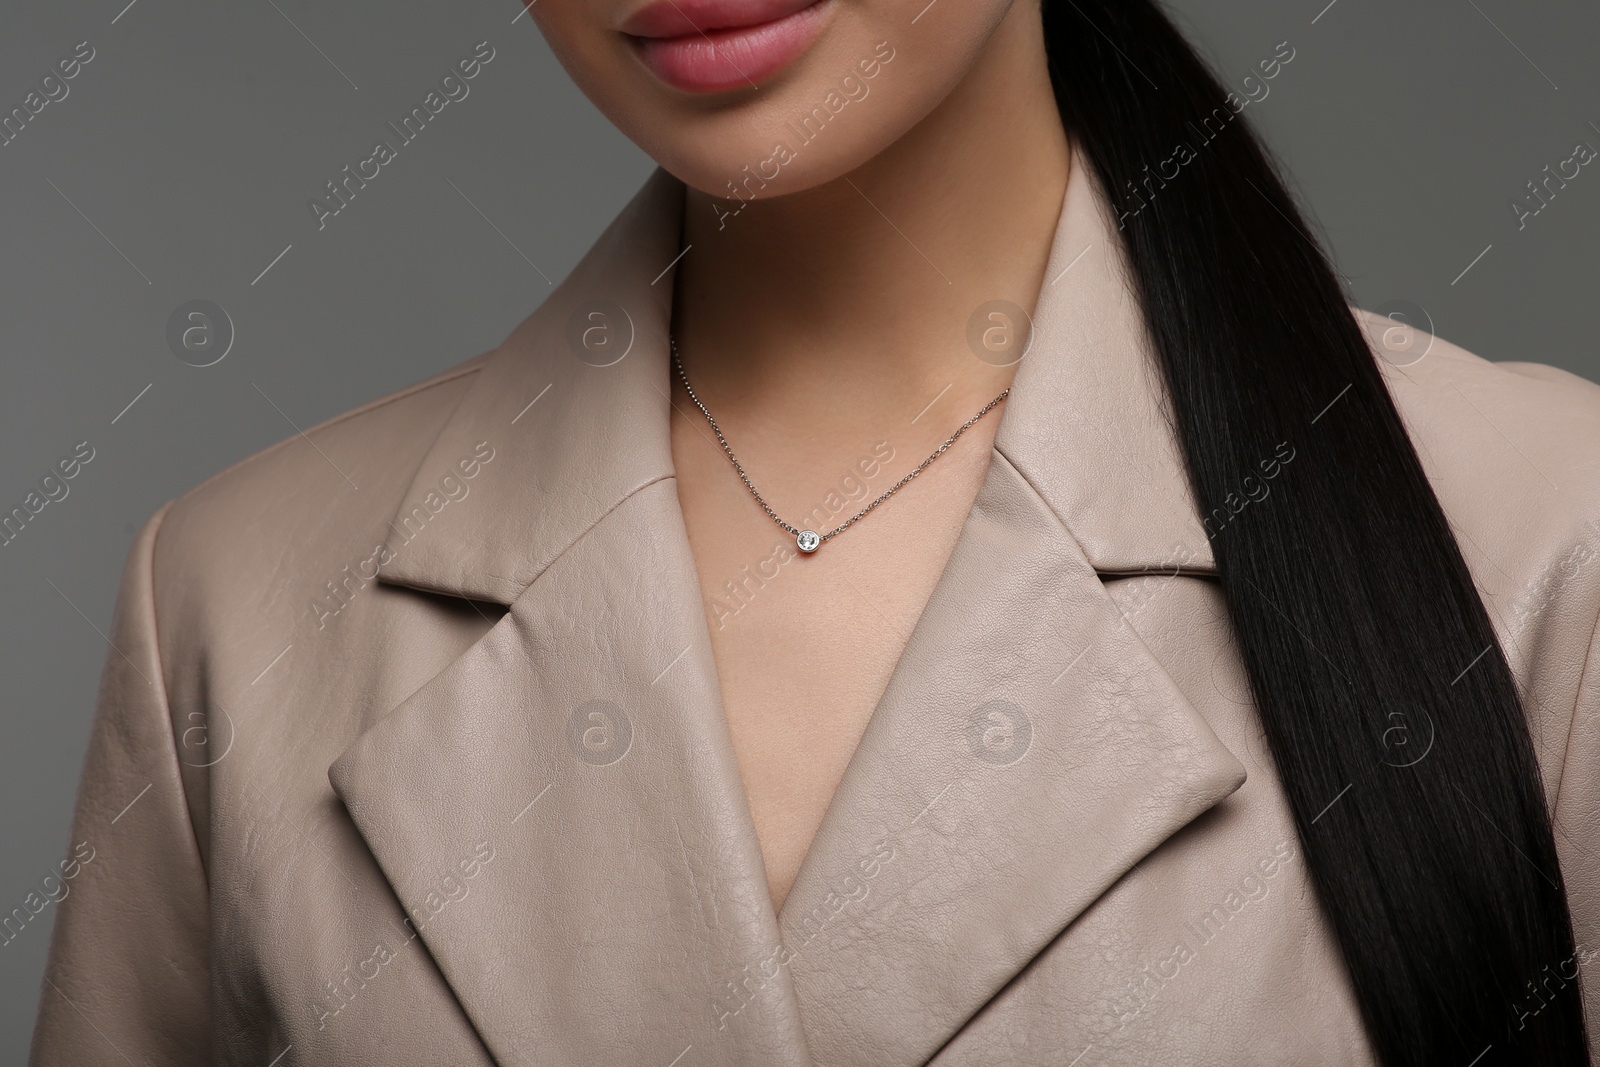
{"x":852,"y":520}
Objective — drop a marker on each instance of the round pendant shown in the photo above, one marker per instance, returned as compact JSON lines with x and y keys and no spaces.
{"x":808,"y":541}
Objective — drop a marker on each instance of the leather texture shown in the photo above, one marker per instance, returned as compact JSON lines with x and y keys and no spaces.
{"x":410,"y":750}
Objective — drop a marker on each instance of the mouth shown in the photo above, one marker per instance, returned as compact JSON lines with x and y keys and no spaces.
{"x":707,"y":46}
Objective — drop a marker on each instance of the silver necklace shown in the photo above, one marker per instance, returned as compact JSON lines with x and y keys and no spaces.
{"x":809,"y":541}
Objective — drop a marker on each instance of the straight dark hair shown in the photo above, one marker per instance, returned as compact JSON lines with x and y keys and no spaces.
{"x":1349,"y":597}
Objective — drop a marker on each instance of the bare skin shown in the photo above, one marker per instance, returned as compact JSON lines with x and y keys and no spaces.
{"x":817,"y":326}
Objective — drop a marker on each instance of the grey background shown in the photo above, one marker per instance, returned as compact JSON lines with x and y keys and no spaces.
{"x":180,"y":163}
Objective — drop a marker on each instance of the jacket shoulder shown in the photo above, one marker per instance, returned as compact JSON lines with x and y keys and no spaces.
{"x":1508,"y":446}
{"x":1512,"y":451}
{"x":323,"y":492}
{"x":388,"y":416}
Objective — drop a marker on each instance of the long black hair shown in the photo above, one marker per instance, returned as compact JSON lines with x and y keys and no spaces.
{"x":1350,"y":600}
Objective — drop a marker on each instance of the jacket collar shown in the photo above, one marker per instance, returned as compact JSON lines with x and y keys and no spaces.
{"x":574,"y":404}
{"x":1027,"y":753}
{"x":1084,"y":425}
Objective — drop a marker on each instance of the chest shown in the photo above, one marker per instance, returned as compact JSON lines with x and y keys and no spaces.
{"x":804,"y":645}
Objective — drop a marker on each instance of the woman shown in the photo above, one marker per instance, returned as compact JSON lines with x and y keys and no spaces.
{"x":1214,"y":693}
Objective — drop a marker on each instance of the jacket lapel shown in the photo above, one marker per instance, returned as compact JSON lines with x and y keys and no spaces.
{"x":624,"y":916}
{"x":1028,"y":750}
{"x":574,"y":406}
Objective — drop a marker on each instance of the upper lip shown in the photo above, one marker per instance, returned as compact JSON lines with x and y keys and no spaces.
{"x":681,"y":18}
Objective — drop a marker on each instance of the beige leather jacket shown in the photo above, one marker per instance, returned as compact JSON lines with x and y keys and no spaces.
{"x":410,"y":748}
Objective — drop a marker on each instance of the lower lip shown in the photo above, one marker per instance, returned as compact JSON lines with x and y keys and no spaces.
{"x":732,"y":58}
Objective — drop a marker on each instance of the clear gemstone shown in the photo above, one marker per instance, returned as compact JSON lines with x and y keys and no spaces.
{"x":808,"y":540}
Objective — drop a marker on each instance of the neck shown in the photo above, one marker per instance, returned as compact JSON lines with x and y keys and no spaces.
{"x":855,"y":296}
